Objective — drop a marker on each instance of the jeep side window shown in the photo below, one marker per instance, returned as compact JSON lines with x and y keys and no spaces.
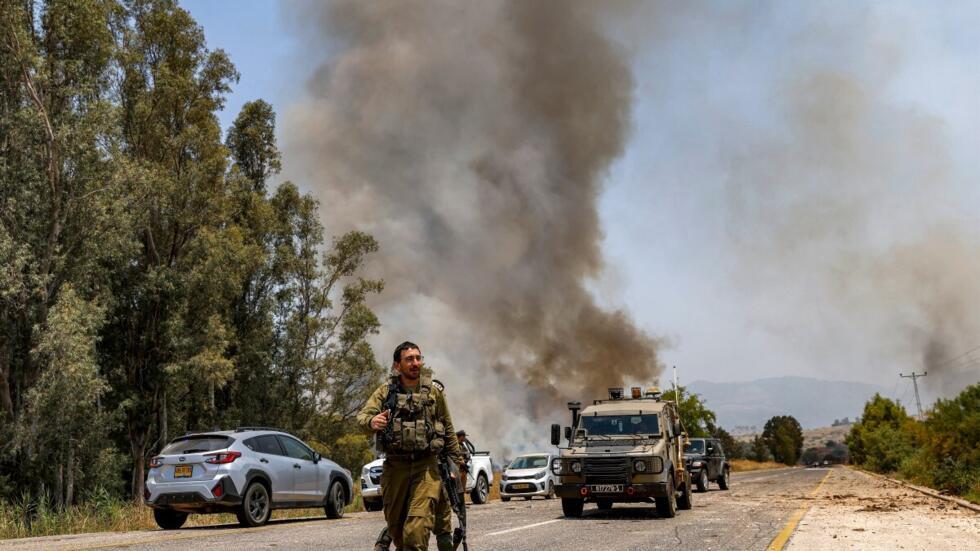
{"x":294,"y":449}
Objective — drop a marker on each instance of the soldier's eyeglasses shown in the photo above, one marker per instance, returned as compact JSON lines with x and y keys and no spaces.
{"x":418,"y":357}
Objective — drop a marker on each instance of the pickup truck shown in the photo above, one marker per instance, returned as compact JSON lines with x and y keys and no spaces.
{"x":477,"y":482}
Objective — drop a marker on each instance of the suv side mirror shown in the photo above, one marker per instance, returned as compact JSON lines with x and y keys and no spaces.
{"x":317,"y":457}
{"x":555,"y":434}
{"x":568,"y":433}
{"x":711,"y":449}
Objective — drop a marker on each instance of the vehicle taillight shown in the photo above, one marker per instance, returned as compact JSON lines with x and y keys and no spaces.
{"x":221,"y":458}
{"x":156,"y":462}
{"x":218,"y":490}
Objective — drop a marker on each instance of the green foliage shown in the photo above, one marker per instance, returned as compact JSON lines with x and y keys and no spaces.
{"x":783,"y":436}
{"x":733,"y":448}
{"x":884,"y":437}
{"x":948,"y":457}
{"x":698,"y":420}
{"x":152,"y":281}
{"x":759,"y":450}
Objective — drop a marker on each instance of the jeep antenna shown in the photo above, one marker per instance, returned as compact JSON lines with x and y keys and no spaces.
{"x":677,"y":390}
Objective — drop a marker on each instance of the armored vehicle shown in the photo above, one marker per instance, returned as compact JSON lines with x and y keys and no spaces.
{"x":624,"y":449}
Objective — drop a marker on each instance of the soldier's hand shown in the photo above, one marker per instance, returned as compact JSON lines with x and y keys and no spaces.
{"x":380,"y":420}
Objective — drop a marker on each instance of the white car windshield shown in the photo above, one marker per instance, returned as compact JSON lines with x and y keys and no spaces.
{"x":529,"y":462}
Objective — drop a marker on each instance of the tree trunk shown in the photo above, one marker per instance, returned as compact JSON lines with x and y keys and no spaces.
{"x":163,"y":419}
{"x":137,"y":445}
{"x":59,"y":486}
{"x":70,"y":482}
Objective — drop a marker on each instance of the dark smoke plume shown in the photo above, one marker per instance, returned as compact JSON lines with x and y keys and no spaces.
{"x":472,"y":138}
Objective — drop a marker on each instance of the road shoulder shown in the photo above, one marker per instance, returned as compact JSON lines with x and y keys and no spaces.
{"x":853,"y":510}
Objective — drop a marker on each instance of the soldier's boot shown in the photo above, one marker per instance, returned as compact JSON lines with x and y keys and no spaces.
{"x":384,"y":541}
{"x":444,"y":542}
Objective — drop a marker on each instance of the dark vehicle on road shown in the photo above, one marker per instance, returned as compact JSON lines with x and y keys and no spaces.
{"x":706,"y":460}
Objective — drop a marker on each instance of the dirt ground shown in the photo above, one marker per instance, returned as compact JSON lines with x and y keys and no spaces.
{"x":852,"y":510}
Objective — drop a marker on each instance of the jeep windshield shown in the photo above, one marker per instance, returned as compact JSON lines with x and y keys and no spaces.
{"x":643,"y":425}
{"x":695,"y":446}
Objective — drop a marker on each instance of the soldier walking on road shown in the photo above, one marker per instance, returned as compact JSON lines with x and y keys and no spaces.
{"x":411,"y":418}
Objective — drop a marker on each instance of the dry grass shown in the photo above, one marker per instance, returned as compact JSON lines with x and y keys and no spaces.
{"x":110,"y":515}
{"x":743,"y":465}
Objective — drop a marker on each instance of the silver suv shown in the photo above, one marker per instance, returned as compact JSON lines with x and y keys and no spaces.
{"x":248,"y":471}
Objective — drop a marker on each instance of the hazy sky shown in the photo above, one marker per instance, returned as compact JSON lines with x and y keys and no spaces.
{"x":799,"y":193}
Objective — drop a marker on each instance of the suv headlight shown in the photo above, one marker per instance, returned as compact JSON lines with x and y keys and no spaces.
{"x":697,"y":463}
{"x":540,"y":474}
{"x":640,"y":466}
{"x":576,"y":467}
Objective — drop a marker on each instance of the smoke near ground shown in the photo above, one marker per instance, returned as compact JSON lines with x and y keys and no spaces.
{"x":472,"y":139}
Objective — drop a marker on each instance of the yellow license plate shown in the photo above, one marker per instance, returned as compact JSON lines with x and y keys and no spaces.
{"x":521,"y":486}
{"x":183,"y":471}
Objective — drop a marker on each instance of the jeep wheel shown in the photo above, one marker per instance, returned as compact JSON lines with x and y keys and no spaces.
{"x":604,"y":504}
{"x":572,"y":506}
{"x":684,"y":501}
{"x":723,"y":479}
{"x":256,"y":507}
{"x":667,"y":505}
{"x":336,"y":500}
{"x":480,"y":490}
{"x":702,"y":481}
{"x":169,"y":520}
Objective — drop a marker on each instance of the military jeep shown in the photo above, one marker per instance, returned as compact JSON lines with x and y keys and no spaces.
{"x":622,"y":450}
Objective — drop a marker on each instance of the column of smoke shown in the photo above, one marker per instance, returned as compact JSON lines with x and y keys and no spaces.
{"x":472,"y":138}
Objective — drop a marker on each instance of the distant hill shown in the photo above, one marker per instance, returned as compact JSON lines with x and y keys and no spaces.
{"x":813,"y":402}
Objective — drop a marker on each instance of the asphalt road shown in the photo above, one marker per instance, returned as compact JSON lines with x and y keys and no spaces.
{"x":748,"y":516}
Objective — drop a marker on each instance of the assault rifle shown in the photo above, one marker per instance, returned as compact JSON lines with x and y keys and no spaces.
{"x":387,"y":435}
{"x":450,"y":484}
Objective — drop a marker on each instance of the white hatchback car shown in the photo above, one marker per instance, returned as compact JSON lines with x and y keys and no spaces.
{"x":528,"y":476}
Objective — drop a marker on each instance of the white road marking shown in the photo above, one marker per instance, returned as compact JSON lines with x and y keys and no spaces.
{"x":509,"y":530}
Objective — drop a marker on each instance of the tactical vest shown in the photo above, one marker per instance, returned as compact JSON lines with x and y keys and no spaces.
{"x":413,"y":428}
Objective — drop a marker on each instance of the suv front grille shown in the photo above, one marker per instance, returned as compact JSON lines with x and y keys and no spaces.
{"x":606,"y":470}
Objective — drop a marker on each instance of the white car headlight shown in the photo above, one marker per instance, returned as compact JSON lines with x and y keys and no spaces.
{"x":539,"y":474}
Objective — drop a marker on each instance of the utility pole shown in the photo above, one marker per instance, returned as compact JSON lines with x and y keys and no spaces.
{"x":915,"y":385}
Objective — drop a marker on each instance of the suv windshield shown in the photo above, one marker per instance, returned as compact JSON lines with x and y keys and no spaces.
{"x":696,"y":446}
{"x":197,"y":444}
{"x":529,"y":462}
{"x":621,"y":425}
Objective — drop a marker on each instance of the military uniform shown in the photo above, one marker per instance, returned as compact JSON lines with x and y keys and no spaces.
{"x":420,"y":426}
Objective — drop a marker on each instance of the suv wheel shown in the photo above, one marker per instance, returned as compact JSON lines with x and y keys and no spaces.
{"x":667,"y":505}
{"x":551,"y":491}
{"x":702,"y":481}
{"x":169,"y":520}
{"x":684,"y":501}
{"x":723,"y":479}
{"x":572,"y":506}
{"x":256,"y":505}
{"x":481,"y":490}
{"x":336,"y":500}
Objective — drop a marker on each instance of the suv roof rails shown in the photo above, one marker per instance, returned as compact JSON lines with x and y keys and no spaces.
{"x":243,"y":429}
{"x":193,"y":432}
